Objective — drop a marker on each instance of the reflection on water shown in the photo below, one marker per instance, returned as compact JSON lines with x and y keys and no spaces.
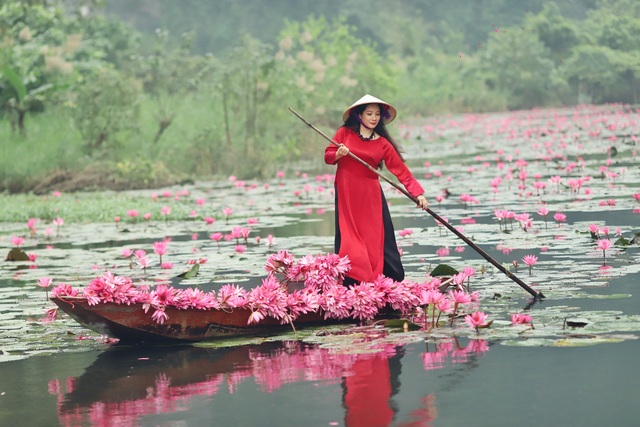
{"x":124,"y":385}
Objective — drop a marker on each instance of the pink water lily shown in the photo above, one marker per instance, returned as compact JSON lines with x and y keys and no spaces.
{"x":604,"y":244}
{"x":458,"y":297}
{"x":45,"y":282}
{"x":530,"y":260}
{"x":476,"y":320}
{"x":543,"y":211}
{"x":560,"y":217}
{"x":217,"y":236}
{"x":17,"y":241}
{"x":31,"y":225}
{"x":520,"y":319}
{"x":160,"y":248}
{"x":227,"y":213}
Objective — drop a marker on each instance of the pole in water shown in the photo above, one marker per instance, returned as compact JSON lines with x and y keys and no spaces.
{"x":537,"y":295}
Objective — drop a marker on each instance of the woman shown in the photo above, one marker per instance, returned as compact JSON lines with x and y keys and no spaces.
{"x":364,"y":231}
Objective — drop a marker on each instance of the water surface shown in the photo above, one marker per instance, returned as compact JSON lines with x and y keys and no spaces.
{"x":553,"y":375}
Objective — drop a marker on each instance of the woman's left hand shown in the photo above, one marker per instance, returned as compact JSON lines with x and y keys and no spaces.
{"x":422,"y":203}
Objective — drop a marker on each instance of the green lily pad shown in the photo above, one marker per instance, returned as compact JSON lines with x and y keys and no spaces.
{"x":17,"y":254}
{"x":444,"y":270}
{"x":191,"y":273}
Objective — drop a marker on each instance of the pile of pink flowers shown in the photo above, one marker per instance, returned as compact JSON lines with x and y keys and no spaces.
{"x":292,"y":287}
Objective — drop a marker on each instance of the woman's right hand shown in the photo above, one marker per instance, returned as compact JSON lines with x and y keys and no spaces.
{"x":342,"y":151}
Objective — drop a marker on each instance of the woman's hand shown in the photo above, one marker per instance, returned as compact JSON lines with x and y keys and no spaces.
{"x":342,"y":151}
{"x":422,"y":203}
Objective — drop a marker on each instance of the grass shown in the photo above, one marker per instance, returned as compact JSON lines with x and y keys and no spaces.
{"x":50,"y":143}
{"x":192,"y":146}
{"x":84,"y":207}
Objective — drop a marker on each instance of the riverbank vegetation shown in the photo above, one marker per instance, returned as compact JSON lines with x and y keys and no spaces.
{"x":109,"y":95}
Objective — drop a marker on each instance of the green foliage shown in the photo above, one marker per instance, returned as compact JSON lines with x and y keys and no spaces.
{"x":605,"y":67}
{"x":557,"y":33}
{"x":629,"y":8}
{"x":517,"y":64}
{"x":15,"y":82}
{"x":142,"y":171}
{"x":329,"y":68}
{"x":104,"y":39}
{"x":158,"y":96}
{"x":81,"y":207}
{"x":24,"y":30}
{"x":50,"y":145}
{"x":106,"y":110}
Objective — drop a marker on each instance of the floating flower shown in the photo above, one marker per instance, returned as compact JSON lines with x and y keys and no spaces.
{"x":530,"y":260}
{"x":227,"y":213}
{"x":45,"y":282}
{"x":31,"y":225}
{"x":604,"y":244}
{"x":543,"y":211}
{"x":58,"y":222}
{"x":443,"y":251}
{"x":17,"y":241}
{"x":160,"y":248}
{"x":126,"y":253}
{"x":560,"y":217}
{"x":520,"y":319}
{"x":476,"y":320}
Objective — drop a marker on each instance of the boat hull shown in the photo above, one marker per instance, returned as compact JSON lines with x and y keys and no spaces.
{"x":130,"y":323}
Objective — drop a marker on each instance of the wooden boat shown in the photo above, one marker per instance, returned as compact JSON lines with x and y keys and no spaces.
{"x":130,"y":323}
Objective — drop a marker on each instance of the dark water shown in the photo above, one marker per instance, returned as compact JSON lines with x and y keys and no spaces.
{"x":447,"y":383}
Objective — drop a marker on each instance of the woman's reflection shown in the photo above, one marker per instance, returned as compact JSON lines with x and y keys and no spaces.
{"x":125,"y":384}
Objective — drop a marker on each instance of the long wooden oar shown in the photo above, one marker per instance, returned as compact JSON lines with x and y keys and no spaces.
{"x":537,"y":295}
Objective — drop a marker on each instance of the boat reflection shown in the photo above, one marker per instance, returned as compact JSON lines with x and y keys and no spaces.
{"x":125,"y":384}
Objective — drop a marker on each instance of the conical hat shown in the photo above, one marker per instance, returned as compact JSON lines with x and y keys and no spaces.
{"x":388,"y":113}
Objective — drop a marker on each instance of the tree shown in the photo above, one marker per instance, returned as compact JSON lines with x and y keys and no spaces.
{"x":45,"y":50}
{"x":167,"y":73}
{"x":557,"y":33}
{"x":26,"y":76}
{"x":106,"y":108}
{"x":605,"y":67}
{"x":516,"y":63}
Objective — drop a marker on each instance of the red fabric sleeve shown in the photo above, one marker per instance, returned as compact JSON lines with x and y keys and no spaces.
{"x":396,"y":166}
{"x":330,"y":151}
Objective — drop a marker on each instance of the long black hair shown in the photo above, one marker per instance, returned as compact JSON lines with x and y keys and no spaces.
{"x":353,"y":123}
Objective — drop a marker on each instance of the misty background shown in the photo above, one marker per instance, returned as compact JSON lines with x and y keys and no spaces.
{"x":125,"y":94}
